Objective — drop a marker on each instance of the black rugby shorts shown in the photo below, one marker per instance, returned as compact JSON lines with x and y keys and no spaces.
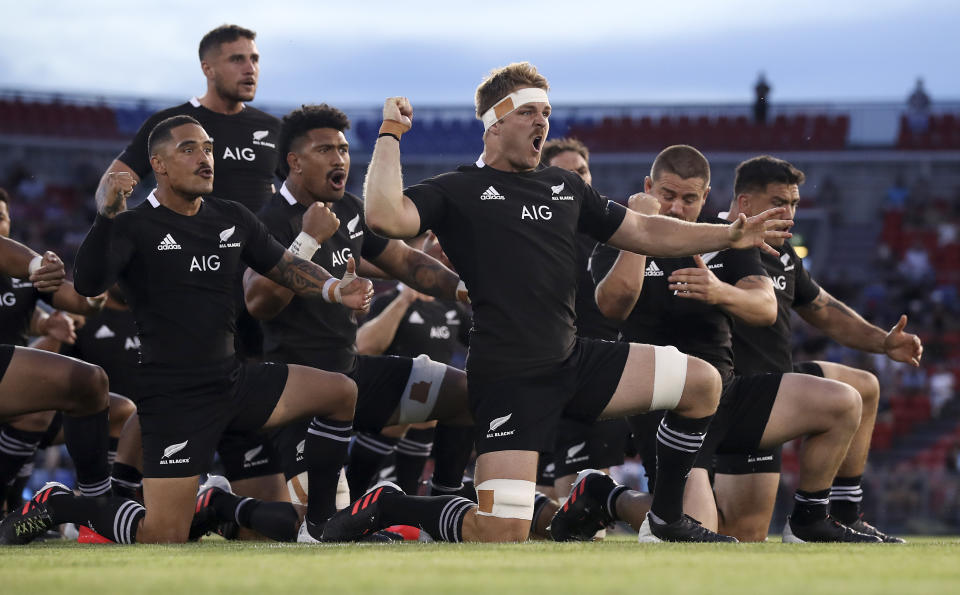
{"x":523,"y":412}
{"x":589,"y":446}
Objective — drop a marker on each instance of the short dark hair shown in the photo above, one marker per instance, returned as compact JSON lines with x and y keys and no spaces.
{"x":681,"y":160}
{"x":4,"y":197}
{"x":757,"y":173}
{"x":299,"y":122}
{"x":552,"y":148}
{"x":161,"y":132}
{"x":223,"y":34}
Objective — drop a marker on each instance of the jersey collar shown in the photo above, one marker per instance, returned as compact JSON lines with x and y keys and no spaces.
{"x":480,"y":162}
{"x":152,"y":199}
{"x":286,"y":194}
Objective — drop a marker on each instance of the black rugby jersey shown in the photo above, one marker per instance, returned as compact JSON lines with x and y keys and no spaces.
{"x":109,"y":339}
{"x":757,"y":350}
{"x":434,"y":328}
{"x":513,"y":239}
{"x":591,"y":323}
{"x":694,"y":327}
{"x":312,"y":332}
{"x":244,"y":147}
{"x":179,"y":273}
{"x":18,"y":298}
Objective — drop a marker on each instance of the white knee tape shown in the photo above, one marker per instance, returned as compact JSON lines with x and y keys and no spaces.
{"x":669,"y":377}
{"x":423,"y":387}
{"x":298,"y":488}
{"x":506,"y":498}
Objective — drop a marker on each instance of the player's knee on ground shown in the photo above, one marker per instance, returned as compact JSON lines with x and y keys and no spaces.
{"x":701,"y":391}
{"x":746,"y":528}
{"x":162,"y":533}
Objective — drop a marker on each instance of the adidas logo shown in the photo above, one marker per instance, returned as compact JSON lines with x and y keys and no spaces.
{"x":785,"y":260}
{"x":653,"y":270}
{"x":491,"y":194}
{"x":104,"y":332}
{"x":352,"y":227}
{"x":168,"y":243}
{"x":415,"y":318}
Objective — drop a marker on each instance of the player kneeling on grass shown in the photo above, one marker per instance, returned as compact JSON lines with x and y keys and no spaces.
{"x":177,"y":256}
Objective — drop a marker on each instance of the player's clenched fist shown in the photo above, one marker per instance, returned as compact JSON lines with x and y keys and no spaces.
{"x":644,"y":204}
{"x":320,"y":222}
{"x":114,"y":191}
{"x":397,"y":115}
{"x":50,"y":274}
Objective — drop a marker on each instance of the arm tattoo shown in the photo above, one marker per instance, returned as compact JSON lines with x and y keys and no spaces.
{"x":429,"y":276}
{"x":301,"y":276}
{"x":753,"y":280}
{"x":825,"y":300}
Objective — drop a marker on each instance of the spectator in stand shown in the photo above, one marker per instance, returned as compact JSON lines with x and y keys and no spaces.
{"x":760,"y":103}
{"x":941,"y":388}
{"x":897,"y":195}
{"x":918,"y":109}
{"x":915,"y":266}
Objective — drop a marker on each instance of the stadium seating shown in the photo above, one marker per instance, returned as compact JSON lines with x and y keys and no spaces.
{"x":943,"y":132}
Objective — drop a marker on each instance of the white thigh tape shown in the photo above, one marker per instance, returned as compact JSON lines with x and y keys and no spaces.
{"x":297,"y":486}
{"x":506,"y":498}
{"x":423,"y":387}
{"x":669,"y":376}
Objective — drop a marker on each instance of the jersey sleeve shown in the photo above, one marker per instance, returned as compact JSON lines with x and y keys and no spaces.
{"x":135,"y":155}
{"x":261,"y":251}
{"x":599,"y":216}
{"x":373,"y":245}
{"x":739,"y":264}
{"x":430,"y":200}
{"x":601,"y":261}
{"x":103,"y":254}
{"x":807,"y":289}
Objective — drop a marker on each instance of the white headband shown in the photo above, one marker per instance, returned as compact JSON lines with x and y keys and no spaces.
{"x":511,"y":102}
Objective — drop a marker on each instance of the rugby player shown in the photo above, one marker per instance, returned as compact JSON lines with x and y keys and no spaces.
{"x":747,"y":485}
{"x":391,"y":389}
{"x":690,"y":303}
{"x":176,"y":256}
{"x":510,"y":231}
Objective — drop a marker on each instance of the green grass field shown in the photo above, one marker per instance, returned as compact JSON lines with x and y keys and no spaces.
{"x":925,"y":566}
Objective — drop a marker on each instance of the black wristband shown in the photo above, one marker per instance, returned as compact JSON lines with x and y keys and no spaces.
{"x":383,"y":134}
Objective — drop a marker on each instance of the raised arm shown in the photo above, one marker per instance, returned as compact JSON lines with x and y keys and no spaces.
{"x":420,"y":271}
{"x":839,"y":322}
{"x":99,"y":259}
{"x":375,"y":335}
{"x":387,"y":210}
{"x":617,"y":293}
{"x":655,"y":235}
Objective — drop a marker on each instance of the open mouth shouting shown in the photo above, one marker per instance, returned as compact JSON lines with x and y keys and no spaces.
{"x":537,"y":143}
{"x":205,"y":172}
{"x":337,"y":179}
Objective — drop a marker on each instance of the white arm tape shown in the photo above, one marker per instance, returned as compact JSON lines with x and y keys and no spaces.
{"x":35,"y":264}
{"x":511,"y":102}
{"x":304,"y":246}
{"x":325,"y":292}
{"x":506,"y":498}
{"x":423,"y":387}
{"x":669,"y":377}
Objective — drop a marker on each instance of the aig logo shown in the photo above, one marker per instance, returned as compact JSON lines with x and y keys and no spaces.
{"x":439,"y":332}
{"x":340,"y":257}
{"x":238,"y":153}
{"x":8,"y":299}
{"x":205,"y":263}
{"x":536,"y":213}
{"x":780,"y":282}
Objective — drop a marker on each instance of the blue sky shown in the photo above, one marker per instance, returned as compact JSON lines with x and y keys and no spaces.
{"x":355,"y":54}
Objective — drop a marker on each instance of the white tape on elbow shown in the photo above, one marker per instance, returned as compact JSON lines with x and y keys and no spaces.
{"x":423,"y":387}
{"x":506,"y":498}
{"x":669,"y":377}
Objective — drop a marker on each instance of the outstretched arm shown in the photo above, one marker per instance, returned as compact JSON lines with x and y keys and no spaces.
{"x":668,"y":237}
{"x":617,"y":293}
{"x":16,"y":260}
{"x":309,"y":280}
{"x":419,"y":271}
{"x":387,"y":210}
{"x":839,"y":322}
